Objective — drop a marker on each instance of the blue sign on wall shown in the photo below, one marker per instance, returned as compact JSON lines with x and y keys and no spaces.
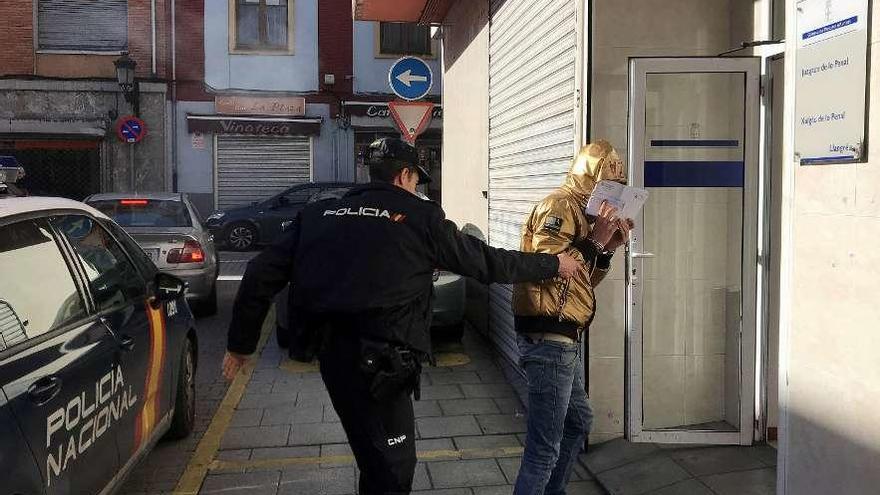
{"x":410,"y":78}
{"x":131,"y":129}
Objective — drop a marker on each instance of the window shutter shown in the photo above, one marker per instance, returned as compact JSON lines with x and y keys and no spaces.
{"x":96,"y":25}
{"x":406,"y":39}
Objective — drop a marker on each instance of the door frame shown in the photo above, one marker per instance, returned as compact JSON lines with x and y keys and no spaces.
{"x":639,"y":68}
{"x":770,"y":250}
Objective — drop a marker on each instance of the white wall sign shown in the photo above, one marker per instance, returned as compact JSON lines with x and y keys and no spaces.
{"x":831,"y":83}
{"x":198,"y":141}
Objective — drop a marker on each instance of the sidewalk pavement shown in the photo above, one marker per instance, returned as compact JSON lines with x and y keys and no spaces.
{"x":285,"y":438}
{"x":625,"y":468}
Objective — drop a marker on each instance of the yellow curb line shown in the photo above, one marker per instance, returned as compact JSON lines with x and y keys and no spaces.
{"x":219,"y":466}
{"x":297,"y":367}
{"x":451,"y":359}
{"x":191,"y":481}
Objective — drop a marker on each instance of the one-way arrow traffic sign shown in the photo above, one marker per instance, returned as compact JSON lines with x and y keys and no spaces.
{"x":410,"y":78}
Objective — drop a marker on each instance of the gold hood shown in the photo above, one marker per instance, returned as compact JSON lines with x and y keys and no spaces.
{"x":595,"y":162}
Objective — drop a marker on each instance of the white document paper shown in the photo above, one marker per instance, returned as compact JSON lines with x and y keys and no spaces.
{"x":628,"y":200}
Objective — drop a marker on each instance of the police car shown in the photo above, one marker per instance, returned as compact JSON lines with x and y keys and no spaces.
{"x":97,"y":350}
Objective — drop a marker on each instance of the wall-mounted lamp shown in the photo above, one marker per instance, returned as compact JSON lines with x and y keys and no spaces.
{"x":125,"y":72}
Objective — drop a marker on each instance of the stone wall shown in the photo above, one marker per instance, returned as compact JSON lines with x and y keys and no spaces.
{"x":82,"y":110}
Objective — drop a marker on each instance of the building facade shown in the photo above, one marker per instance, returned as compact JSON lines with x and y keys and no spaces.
{"x":297,"y":89}
{"x":716,"y":326}
{"x":60,"y":103}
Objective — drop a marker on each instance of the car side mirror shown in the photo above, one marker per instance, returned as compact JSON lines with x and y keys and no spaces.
{"x":169,"y":287}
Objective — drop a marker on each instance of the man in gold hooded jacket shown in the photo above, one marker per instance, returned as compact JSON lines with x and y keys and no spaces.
{"x":551,"y":317}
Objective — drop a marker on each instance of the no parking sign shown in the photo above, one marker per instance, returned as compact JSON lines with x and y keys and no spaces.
{"x":131,"y":129}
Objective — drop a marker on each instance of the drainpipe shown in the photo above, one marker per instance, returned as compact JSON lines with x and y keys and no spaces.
{"x":153,"y":35}
{"x":174,"y":137}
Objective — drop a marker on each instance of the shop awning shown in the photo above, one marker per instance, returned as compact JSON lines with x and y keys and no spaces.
{"x":420,"y":11}
{"x":259,"y":126}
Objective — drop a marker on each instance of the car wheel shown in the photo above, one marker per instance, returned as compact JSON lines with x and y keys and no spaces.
{"x":184,"y":419}
{"x":241,"y":236}
{"x":208,"y":305}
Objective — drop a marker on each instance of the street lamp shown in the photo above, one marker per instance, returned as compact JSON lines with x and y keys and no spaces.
{"x":125,"y":72}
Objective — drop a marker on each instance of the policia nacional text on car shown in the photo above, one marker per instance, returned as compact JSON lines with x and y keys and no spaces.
{"x":361,"y":271}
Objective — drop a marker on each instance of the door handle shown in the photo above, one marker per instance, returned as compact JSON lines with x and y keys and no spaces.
{"x":642,"y":255}
{"x":126,"y":342}
{"x":44,"y":389}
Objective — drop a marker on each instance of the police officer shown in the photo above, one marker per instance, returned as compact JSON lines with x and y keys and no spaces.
{"x":361,"y":269}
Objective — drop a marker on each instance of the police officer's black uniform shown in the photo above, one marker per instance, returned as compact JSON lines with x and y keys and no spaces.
{"x":361,"y":268}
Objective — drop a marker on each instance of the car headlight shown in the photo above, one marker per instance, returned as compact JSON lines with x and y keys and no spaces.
{"x":216,"y":216}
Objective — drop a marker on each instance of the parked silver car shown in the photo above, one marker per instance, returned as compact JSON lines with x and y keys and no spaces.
{"x":168,"y":229}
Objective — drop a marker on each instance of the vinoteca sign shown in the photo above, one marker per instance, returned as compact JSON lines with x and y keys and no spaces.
{"x":264,"y":128}
{"x":254,"y":127}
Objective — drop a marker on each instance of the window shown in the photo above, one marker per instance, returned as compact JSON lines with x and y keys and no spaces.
{"x":263,"y":25}
{"x":404,"y":39}
{"x":300,"y":195}
{"x":145,"y":212}
{"x":331,"y":193}
{"x":196,"y":214}
{"x":778,"y":16}
{"x":94,"y":26}
{"x":28,"y":253}
{"x":140,"y":258}
{"x":113,"y":279}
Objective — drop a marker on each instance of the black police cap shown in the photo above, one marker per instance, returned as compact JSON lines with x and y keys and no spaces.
{"x":395,"y":154}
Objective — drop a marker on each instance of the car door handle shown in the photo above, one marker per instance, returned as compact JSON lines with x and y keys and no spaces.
{"x":126,"y":342}
{"x":44,"y":389}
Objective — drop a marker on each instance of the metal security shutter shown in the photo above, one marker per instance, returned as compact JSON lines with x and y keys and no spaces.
{"x":253,"y":168}
{"x":96,"y":25}
{"x":532,"y":63}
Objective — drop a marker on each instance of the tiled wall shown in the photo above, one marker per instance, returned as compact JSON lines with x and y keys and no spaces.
{"x":832,"y":437}
{"x":622,"y":29}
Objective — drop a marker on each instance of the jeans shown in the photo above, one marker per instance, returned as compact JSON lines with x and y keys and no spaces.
{"x":559,"y":415}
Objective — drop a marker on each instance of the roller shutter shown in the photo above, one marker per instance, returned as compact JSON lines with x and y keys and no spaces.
{"x":96,"y":25}
{"x":253,"y":168}
{"x":532,"y":63}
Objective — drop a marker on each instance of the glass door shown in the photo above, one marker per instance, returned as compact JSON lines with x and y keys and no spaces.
{"x":693,"y":144}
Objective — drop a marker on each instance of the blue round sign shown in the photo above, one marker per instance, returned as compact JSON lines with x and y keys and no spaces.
{"x":131,"y":129}
{"x":410,"y":78}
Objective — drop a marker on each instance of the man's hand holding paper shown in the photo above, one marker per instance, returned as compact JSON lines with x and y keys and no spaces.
{"x":626,"y":199}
